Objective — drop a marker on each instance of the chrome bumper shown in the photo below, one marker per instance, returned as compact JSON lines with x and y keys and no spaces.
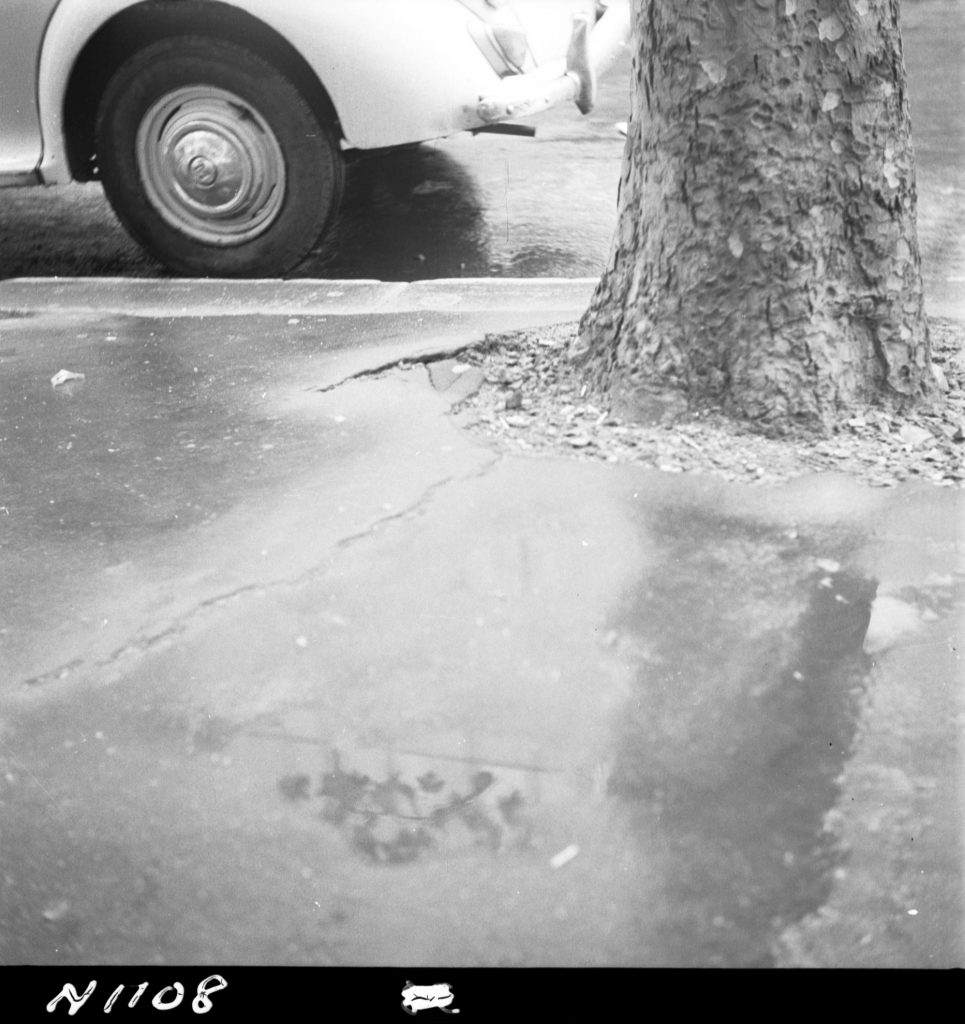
{"x":593,"y":48}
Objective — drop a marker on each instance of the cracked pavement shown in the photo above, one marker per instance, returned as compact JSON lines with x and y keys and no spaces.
{"x":159,"y":473}
{"x":295,"y":671}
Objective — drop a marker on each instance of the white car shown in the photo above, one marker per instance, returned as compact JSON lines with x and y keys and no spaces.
{"x":219,"y":128}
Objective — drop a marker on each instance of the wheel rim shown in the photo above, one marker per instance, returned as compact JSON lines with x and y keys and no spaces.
{"x":211,"y":165}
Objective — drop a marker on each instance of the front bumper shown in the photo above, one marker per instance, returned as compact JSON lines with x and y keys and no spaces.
{"x":592,"y":50}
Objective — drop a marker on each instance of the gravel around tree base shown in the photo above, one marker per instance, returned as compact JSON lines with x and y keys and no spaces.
{"x":532,"y":400}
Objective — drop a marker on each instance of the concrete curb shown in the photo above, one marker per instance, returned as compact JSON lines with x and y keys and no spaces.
{"x":158,"y":297}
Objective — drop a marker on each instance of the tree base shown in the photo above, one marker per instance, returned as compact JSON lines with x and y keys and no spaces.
{"x":535,"y":401}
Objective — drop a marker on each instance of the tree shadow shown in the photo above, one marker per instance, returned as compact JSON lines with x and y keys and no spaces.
{"x":749,"y":672}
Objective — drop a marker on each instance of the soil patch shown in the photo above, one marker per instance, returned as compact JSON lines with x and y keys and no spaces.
{"x":533,"y":400}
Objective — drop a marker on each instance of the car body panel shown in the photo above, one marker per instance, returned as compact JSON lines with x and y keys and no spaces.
{"x":71,"y":25}
{"x":20,"y":43}
{"x":386,"y":94}
{"x":397,"y":71}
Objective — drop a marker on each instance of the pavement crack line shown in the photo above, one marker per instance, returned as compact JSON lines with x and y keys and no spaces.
{"x":181,"y":624}
{"x":435,"y":355}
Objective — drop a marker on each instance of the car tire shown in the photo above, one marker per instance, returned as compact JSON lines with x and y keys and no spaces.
{"x":214,"y":161}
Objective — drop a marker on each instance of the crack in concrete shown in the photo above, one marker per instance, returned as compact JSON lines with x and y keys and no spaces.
{"x":182,"y":623}
{"x":421,"y":359}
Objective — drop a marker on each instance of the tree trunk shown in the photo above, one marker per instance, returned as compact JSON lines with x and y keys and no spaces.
{"x":766,"y":257}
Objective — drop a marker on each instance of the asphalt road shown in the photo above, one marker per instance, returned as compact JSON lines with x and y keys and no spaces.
{"x":514,"y":207}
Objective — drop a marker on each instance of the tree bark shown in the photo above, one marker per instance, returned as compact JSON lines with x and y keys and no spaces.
{"x":766,"y":256}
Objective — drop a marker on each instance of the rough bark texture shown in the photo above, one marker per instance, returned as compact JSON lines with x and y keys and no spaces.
{"x":766,"y":254}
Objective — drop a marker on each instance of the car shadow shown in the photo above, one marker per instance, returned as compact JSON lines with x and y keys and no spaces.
{"x":407,"y":215}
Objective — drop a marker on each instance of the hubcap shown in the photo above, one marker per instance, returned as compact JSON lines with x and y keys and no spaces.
{"x":211,"y":166}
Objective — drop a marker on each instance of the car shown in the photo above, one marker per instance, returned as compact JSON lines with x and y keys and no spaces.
{"x":220,"y":129}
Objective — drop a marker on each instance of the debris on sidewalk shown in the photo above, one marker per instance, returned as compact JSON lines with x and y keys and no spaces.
{"x":459,"y":379}
{"x":564,"y":856}
{"x":55,"y":911}
{"x":64,"y":377}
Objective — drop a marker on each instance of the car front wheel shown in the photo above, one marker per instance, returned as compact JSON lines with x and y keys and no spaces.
{"x":214,"y":161}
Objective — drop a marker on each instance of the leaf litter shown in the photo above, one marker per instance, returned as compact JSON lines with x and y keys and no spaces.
{"x":534,"y":401}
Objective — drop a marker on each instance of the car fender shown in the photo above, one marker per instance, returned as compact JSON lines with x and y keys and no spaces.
{"x":396,"y":73}
{"x":71,"y":25}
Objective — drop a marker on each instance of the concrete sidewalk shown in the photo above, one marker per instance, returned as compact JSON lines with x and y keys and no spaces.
{"x":296,"y":671}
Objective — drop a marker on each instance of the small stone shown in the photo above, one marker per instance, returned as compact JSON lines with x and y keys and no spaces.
{"x":56,"y":911}
{"x":914,"y":436}
{"x":514,"y":400}
{"x":564,"y":856}
{"x":65,"y":377}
